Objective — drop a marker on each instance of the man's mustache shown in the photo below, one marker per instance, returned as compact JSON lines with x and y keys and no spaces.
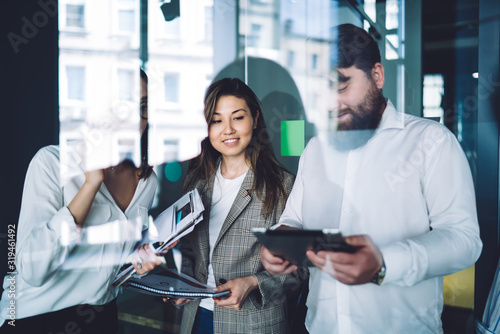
{"x":340,"y":112}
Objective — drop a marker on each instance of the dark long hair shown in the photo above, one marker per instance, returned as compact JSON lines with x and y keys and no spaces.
{"x":145,"y":169}
{"x":269,"y":174}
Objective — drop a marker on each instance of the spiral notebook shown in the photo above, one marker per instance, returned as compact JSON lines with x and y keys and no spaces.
{"x":172,"y":284}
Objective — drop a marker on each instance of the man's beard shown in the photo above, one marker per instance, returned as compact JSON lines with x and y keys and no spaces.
{"x":364,"y":121}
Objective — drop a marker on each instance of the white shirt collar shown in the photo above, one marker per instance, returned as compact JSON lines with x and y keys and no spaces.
{"x":391,"y":118}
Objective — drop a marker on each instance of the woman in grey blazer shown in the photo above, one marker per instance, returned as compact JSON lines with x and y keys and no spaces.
{"x":242,"y":186}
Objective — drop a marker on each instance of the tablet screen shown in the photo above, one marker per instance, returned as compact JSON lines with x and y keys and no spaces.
{"x":292,"y":244}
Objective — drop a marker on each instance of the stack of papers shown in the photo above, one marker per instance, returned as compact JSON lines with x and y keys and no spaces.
{"x":172,"y":284}
{"x":172,"y":224}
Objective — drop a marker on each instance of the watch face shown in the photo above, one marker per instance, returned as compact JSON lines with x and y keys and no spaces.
{"x":379,"y":277}
{"x":381,"y":274}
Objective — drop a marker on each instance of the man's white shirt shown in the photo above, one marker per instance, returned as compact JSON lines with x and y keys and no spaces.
{"x":410,"y":189}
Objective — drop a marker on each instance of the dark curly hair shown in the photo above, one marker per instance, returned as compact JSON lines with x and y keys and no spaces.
{"x":355,"y":47}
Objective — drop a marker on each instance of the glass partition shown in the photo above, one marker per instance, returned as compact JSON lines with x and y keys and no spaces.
{"x":180,"y":68}
{"x":281,"y":48}
{"x":291,"y":42}
{"x":100,"y":49}
{"x":99,"y":80}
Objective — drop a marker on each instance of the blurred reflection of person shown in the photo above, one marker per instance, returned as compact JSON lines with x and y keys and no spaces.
{"x":63,"y":277}
{"x":242,"y":186}
{"x":399,"y":186}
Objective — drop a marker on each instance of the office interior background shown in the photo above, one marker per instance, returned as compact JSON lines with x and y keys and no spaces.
{"x":72,"y":67}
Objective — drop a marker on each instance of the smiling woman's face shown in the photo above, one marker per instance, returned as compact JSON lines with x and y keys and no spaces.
{"x":231,"y":128}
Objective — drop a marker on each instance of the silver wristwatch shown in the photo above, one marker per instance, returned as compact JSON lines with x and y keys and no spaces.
{"x":380,"y":275}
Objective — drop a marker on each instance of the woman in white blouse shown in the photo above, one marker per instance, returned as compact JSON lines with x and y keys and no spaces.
{"x":72,"y":238}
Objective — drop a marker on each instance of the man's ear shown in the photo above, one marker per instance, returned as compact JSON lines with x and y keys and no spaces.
{"x":378,"y":75}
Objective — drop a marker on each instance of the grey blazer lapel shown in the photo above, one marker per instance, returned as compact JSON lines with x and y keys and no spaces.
{"x":241,"y":201}
{"x":202,"y":237}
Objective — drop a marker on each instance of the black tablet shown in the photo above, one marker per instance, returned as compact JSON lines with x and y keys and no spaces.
{"x":292,"y":244}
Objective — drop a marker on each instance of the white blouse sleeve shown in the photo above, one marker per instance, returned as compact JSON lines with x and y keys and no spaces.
{"x":46,"y":231}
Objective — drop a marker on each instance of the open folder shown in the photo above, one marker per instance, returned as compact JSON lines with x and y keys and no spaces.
{"x":172,"y":284}
{"x":171,"y":225}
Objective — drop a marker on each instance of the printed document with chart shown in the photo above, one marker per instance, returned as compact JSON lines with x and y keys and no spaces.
{"x":171,"y":225}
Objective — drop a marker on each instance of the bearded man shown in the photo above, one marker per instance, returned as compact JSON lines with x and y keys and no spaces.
{"x":399,"y":187}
